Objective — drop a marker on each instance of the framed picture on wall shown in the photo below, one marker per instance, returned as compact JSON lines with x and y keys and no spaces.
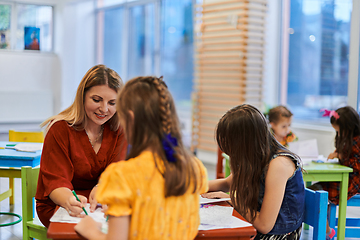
{"x":32,"y":38}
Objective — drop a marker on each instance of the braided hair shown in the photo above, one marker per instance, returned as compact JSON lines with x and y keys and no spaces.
{"x":147,"y":111}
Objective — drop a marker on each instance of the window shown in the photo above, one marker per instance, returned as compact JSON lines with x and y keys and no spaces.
{"x":141,"y":36}
{"x":32,"y":27}
{"x":113,"y":39}
{"x":177,"y":57}
{"x":318,"y":56}
{"x":177,"y":48}
{"x":150,"y":37}
{"x":128,"y":41}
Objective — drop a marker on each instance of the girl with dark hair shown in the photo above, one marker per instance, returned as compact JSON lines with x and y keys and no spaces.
{"x":154,"y":194}
{"x":346,"y":122}
{"x":266,"y":185}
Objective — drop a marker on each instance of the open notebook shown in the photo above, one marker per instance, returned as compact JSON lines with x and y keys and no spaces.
{"x":25,"y":147}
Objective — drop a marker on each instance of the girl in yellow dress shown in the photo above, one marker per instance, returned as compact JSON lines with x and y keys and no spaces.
{"x":154,"y":194}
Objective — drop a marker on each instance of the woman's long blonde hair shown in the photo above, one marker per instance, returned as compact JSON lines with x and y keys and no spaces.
{"x":75,"y":115}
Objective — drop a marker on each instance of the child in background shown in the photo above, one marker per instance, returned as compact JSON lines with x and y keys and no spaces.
{"x":154,"y":194}
{"x":346,"y":123}
{"x":272,"y":202}
{"x":280,"y":119}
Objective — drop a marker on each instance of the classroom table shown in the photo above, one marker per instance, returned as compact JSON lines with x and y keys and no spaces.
{"x":65,"y":231}
{"x":331,"y":172}
{"x":11,"y":162}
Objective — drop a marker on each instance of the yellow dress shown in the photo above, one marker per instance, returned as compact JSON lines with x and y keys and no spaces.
{"x":136,"y":187}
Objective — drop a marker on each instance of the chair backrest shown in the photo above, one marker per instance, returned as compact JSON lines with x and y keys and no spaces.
{"x":15,"y":136}
{"x":29,"y":179}
{"x":316,"y":212}
{"x":219,"y":165}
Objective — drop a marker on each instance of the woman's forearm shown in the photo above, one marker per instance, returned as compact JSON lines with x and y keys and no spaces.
{"x":60,"y":196}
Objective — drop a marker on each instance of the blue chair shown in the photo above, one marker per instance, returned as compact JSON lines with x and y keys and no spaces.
{"x":316,"y":203}
{"x":352,"y":229}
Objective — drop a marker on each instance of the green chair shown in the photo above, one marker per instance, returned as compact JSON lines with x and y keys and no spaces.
{"x":29,"y":179}
{"x":227,"y":165}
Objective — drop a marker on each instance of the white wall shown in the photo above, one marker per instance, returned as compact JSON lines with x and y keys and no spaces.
{"x":24,"y":77}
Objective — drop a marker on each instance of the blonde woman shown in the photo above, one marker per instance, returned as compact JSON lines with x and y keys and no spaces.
{"x":80,"y":143}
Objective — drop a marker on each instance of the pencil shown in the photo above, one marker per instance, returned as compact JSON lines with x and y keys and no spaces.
{"x":79,"y":201}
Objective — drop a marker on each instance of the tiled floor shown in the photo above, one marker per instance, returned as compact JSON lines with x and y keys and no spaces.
{"x":14,"y":232}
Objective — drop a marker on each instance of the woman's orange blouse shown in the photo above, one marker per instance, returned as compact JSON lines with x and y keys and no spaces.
{"x":136,"y":187}
{"x":68,"y":160}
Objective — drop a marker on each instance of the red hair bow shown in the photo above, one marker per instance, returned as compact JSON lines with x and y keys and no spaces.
{"x":330,"y":113}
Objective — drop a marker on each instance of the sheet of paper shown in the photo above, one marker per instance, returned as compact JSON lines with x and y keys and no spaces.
{"x":61,"y":215}
{"x":28,"y":147}
{"x":217,"y":217}
{"x":307,"y":150}
{"x":212,"y":200}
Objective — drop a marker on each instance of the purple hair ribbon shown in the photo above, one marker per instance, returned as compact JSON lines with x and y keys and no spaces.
{"x":169,"y":143}
{"x":330,"y":113}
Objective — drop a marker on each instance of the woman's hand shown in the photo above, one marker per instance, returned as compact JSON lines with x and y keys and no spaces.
{"x":219,"y":194}
{"x":64,"y":197}
{"x":92,"y":199}
{"x":74,"y":207}
{"x":89,"y":228}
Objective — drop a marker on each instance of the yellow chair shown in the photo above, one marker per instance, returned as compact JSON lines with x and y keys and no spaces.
{"x":15,"y":136}
{"x":26,"y":136}
{"x":29,"y":179}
